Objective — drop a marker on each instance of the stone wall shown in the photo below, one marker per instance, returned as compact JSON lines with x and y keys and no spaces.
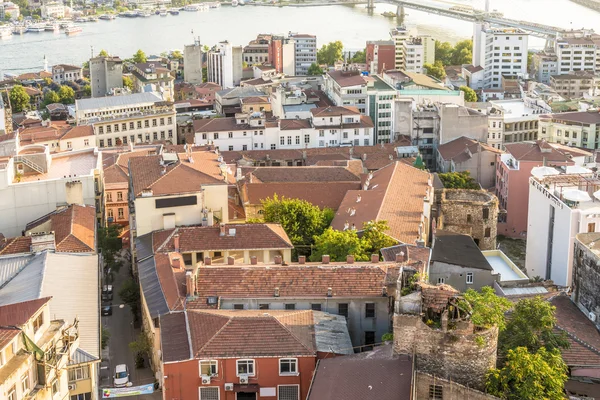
{"x":586,"y":273}
{"x":449,"y":390}
{"x":459,"y":357}
{"x":469,"y":212}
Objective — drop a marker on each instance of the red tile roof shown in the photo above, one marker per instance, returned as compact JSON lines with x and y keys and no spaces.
{"x":294,"y":124}
{"x":457,"y":148}
{"x":345,"y":79}
{"x":334,"y":111}
{"x":204,"y":238}
{"x":7,"y":335}
{"x":536,"y":151}
{"x":396,"y":195}
{"x":302,"y":174}
{"x":171,"y":275}
{"x":17,"y":314}
{"x":78,"y":132}
{"x":16,"y":245}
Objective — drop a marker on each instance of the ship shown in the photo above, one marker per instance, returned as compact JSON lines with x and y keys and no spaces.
{"x":107,"y":17}
{"x":52,"y":26}
{"x":174,"y":11}
{"x":234,"y":3}
{"x":36,"y":28}
{"x":73,"y":30}
{"x":191,"y":7}
{"x":163,"y":13}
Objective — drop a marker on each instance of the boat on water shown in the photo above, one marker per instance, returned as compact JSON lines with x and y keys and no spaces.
{"x":107,"y":17}
{"x":6,"y":32}
{"x":191,"y":7}
{"x":36,"y":28}
{"x":92,"y":19}
{"x":73,"y":30}
{"x":80,"y":19}
{"x":242,"y":2}
{"x":163,"y":13}
{"x":174,"y":11}
{"x":144,"y":14}
{"x":130,"y":14}
{"x":234,"y":3}
{"x":52,"y":26}
{"x":66,"y":24}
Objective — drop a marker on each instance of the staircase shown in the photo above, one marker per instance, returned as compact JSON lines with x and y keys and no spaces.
{"x":30,"y":164}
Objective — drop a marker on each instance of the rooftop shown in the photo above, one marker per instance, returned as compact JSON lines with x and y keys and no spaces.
{"x":116,"y":101}
{"x":462,"y":149}
{"x":334,"y":111}
{"x":503,"y":266}
{"x":582,"y":117}
{"x":460,"y":250}
{"x":517,"y":108}
{"x":347,"y":78}
{"x":535,"y":151}
{"x":69,"y":164}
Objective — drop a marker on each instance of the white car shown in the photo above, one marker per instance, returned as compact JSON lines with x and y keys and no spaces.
{"x":121,"y":376}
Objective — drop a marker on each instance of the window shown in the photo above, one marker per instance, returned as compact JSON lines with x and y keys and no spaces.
{"x":108,"y":129}
{"x":366,"y":141}
{"x":139,"y":124}
{"x":315,"y":307}
{"x":469,"y":278}
{"x":101,"y":143}
{"x":123,"y":126}
{"x":82,"y":396}
{"x":12,"y":393}
{"x":86,"y":142}
{"x":120,"y":214}
{"x":131,"y":125}
{"x":162,"y":135}
{"x":116,"y":127}
{"x":154,"y":122}
{"x":109,"y":213}
{"x":488,"y":232}
{"x":230,"y":135}
{"x":263,"y":306}
{"x":79,"y":373}
{"x":209,"y":393}
{"x":343,"y":309}
{"x":216,"y":136}
{"x":238,"y":306}
{"x":370,"y":310}
{"x":109,"y":142}
{"x":25,"y":383}
{"x":282,"y":141}
{"x":101,"y":130}
{"x":288,"y":366}
{"x":119,"y":196}
{"x":297,"y":139}
{"x":306,"y":138}
{"x":55,"y":387}
{"x":170,"y":132}
{"x":321,"y":133}
{"x":155,"y":136}
{"x":38,"y":322}
{"x":162,"y":121}
{"x":244,"y":147}
{"x":441,"y":280}
{"x":290,"y":306}
{"x":435,"y":392}
{"x":208,"y":367}
{"x":288,"y":392}
{"x":486,"y":213}
{"x":230,"y":148}
{"x":289,"y":140}
{"x":469,"y":218}
{"x":245,"y":367}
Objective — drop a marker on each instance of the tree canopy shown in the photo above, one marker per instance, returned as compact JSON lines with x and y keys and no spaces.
{"x":459,"y":54}
{"x":359,"y":57}
{"x":66,"y":94}
{"x":51,"y":97}
{"x":139,"y":57}
{"x":458,"y":180}
{"x":103,"y":53}
{"x":436,"y":70}
{"x":315,"y":70}
{"x":529,"y":376}
{"x":486,"y":308}
{"x":330,"y":53}
{"x":470,"y":94}
{"x":19,"y":99}
{"x":127,"y":83}
{"x":531,"y":325}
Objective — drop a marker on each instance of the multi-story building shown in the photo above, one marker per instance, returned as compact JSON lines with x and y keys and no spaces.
{"x":258,"y":50}
{"x":513,"y":170}
{"x":576,"y":53}
{"x":575,"y":85}
{"x":347,"y":88}
{"x":399,"y":35}
{"x":520,"y":119}
{"x":152,"y":77}
{"x":106,"y":75}
{"x":380,"y":102}
{"x":62,"y":73}
{"x":225,"y":65}
{"x":305,"y":47}
{"x":380,"y":56}
{"x":201,"y":91}
{"x":545,"y":64}
{"x":414,"y":55}
{"x":500,"y":51}
{"x":11,"y":9}
{"x":53,"y":9}
{"x":193,"y":61}
{"x":579,"y":129}
{"x":135,"y":118}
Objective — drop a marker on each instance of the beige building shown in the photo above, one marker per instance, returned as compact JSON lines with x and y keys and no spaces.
{"x":575,"y":85}
{"x":153,"y":77}
{"x":136,"y":118}
{"x":62,"y":73}
{"x":57,"y":136}
{"x":579,"y":129}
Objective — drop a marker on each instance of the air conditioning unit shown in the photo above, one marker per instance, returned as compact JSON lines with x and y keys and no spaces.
{"x":72,"y":386}
{"x":229,"y":387}
{"x":206,"y":380}
{"x":592,"y":316}
{"x":244,"y":379}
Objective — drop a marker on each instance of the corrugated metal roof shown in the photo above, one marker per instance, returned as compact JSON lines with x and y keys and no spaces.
{"x":10,"y":266}
{"x":81,"y":357}
{"x":116,"y":101}
{"x":152,"y":291}
{"x":143,"y":246}
{"x":26,"y":284}
{"x":519,"y":291}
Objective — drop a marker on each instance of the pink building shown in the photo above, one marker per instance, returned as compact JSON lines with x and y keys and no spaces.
{"x":513,"y":170}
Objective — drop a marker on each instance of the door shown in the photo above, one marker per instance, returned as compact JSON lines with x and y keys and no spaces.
{"x":591,"y":227}
{"x":245,"y":396}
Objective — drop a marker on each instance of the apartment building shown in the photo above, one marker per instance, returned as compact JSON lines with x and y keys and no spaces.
{"x":135,"y":118}
{"x":380,"y":55}
{"x":153,"y":77}
{"x":577,"y":53}
{"x":53,"y":9}
{"x":545,"y":64}
{"x":193,"y":61}
{"x":578,"y":129}
{"x":399,"y":35}
{"x":62,"y":73}
{"x":305,"y":47}
{"x":225,"y":65}
{"x":414,"y":55}
{"x":576,"y":85}
{"x":106,"y":75}
{"x":258,"y":50}
{"x":499,"y":51}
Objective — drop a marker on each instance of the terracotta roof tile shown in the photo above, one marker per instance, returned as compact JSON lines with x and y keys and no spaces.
{"x":303,"y":174}
{"x":16,"y":245}
{"x":17,"y":314}
{"x":458,"y":147}
{"x":334,"y":111}
{"x":7,"y":335}
{"x":79,"y":132}
{"x":170,"y":273}
{"x":532,"y":151}
{"x":345,"y":79}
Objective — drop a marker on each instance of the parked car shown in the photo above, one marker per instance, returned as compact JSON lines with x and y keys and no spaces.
{"x":107,"y":293}
{"x":121,"y":376}
{"x":106,"y":310}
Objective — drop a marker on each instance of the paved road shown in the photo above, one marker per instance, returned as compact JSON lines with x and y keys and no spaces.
{"x":122,"y":332}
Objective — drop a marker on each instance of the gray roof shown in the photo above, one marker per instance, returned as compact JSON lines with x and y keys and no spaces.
{"x":456,"y":249}
{"x":10,"y":266}
{"x":246,"y":91}
{"x":116,"y":101}
{"x":174,"y":327}
{"x":331,"y":333}
{"x":71,"y":280}
{"x":143,"y":246}
{"x":82,"y":357}
{"x":153,"y":294}
{"x":299,"y":107}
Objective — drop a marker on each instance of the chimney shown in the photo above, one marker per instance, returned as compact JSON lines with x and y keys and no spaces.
{"x":230,"y":260}
{"x":207,"y":261}
{"x":277,"y":259}
{"x":325,"y":259}
{"x":364,"y":157}
{"x":301,"y":259}
{"x":190,"y":284}
{"x":349,"y":259}
{"x":276,"y":294}
{"x":402,"y":256}
{"x":42,"y":241}
{"x":374,"y":258}
{"x":420,"y":243}
{"x":222,"y":232}
{"x":176,"y":242}
{"x":329,"y":292}
{"x":253,"y":260}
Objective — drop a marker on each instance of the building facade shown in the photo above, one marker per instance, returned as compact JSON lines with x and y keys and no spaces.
{"x":106,"y":75}
{"x":152,"y":77}
{"x":193,"y":61}
{"x":62,"y":73}
{"x":305,"y":47}
{"x":225,"y":65}
{"x":380,"y":55}
{"x":575,"y":86}
{"x":579,"y":129}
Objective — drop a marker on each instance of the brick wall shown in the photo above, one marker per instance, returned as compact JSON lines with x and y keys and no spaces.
{"x":586,"y":273}
{"x":451,"y":355}
{"x":449,"y":390}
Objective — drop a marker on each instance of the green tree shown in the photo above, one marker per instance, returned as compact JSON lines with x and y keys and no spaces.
{"x":458,"y":180}
{"x":66,"y":94}
{"x":87,"y":90}
{"x":127,"y":82}
{"x":37,"y":17}
{"x":486,"y":308}
{"x":374,"y":237}
{"x":301,"y":220}
{"x":531,"y":325}
{"x":462,"y":53}
{"x":51,"y":97}
{"x":142,"y":347}
{"x":470,"y":94}
{"x":130,"y":294}
{"x":103,"y":53}
{"x":443,"y":52}
{"x":139,"y":57}
{"x":436,"y":70}
{"x":339,"y":244}
{"x":360,"y":57}
{"x":204,"y":74}
{"x":529,"y":376}
{"x":530,"y":60}
{"x":105,"y":337}
{"x":315,"y":70}
{"x":7,"y":16}
{"x":19,"y":99}
{"x":330,"y":53}
{"x":176,"y":55}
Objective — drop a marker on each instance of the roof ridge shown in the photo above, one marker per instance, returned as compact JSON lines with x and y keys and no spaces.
{"x":578,"y":340}
{"x":164,"y":243}
{"x":386,"y":188}
{"x":163,"y":175}
{"x":229,"y":319}
{"x":292,"y":333}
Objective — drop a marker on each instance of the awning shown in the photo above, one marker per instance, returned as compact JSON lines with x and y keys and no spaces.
{"x":249,"y":388}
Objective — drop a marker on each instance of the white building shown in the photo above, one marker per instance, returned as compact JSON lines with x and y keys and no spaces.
{"x":135,"y":118}
{"x":62,"y":73}
{"x":554,"y":221}
{"x":499,"y":51}
{"x":192,"y":63}
{"x":225,"y":65}
{"x":53,"y":10}
{"x":414,"y":55}
{"x":399,"y":35}
{"x":577,"y":54}
{"x":305,"y":47}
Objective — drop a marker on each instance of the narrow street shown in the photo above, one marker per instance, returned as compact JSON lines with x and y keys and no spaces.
{"x":122,"y":332}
